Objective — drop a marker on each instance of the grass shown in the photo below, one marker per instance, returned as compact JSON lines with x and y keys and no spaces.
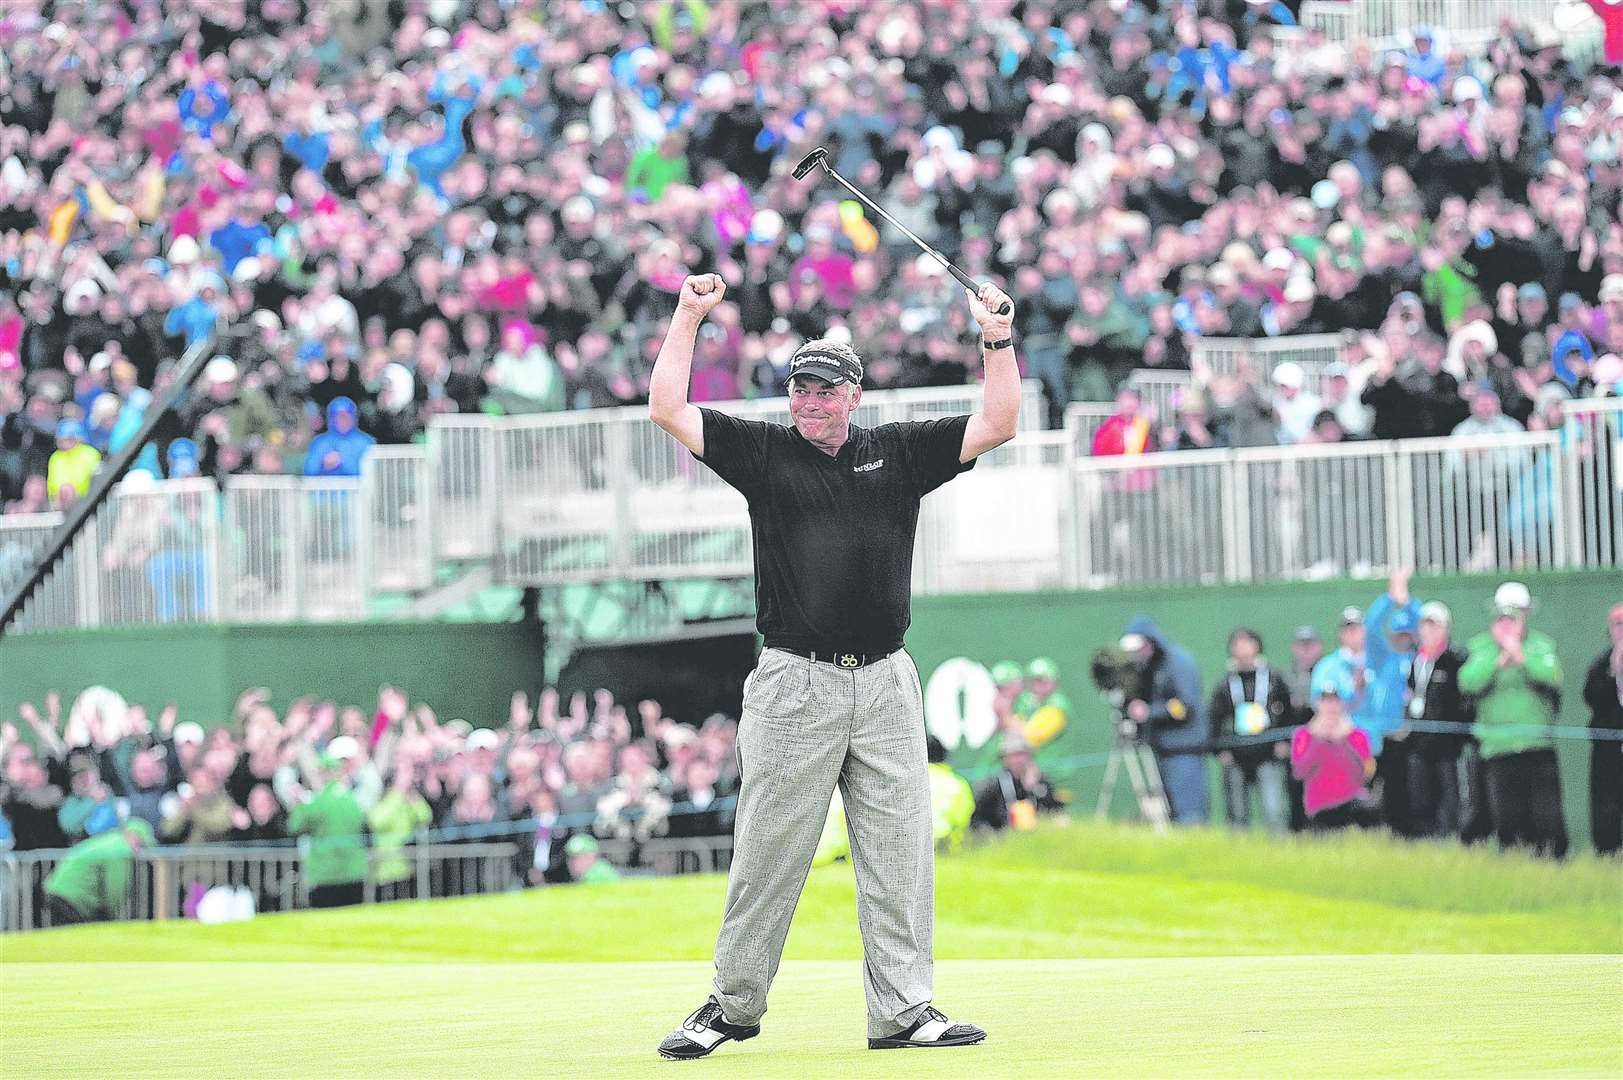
{"x":1089,"y":950}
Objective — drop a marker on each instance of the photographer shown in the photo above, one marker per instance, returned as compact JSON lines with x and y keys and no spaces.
{"x":1251,"y":718}
{"x":1166,"y":709}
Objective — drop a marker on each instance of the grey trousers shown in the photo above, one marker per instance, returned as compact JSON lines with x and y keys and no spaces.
{"x":805,"y":728}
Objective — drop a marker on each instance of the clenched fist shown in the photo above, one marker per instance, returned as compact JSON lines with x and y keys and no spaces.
{"x":701,"y":293}
{"x":994,"y":312}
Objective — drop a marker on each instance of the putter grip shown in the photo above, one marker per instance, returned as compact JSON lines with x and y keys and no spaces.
{"x":975,"y":287}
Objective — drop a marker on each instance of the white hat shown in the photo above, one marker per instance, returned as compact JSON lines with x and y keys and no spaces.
{"x":1289,"y":373}
{"x":1160,"y":156}
{"x":189,"y":732}
{"x":1279,"y":259}
{"x":101,"y":361}
{"x":1512,"y":594}
{"x":1437,"y":612}
{"x":220,"y":369}
{"x":247,"y":269}
{"x":1132,"y":642}
{"x":84,"y":289}
{"x":1467,"y":88}
{"x":344,"y":747}
{"x":483,"y":739}
{"x":1611,"y":288}
{"x":183,"y":250}
{"x":1299,"y":290}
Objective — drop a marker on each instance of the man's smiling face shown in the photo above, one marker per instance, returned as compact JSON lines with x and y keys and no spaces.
{"x":821,"y":410}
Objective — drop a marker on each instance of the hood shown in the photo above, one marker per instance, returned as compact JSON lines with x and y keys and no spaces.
{"x":339,"y":406}
{"x":1145,"y":626}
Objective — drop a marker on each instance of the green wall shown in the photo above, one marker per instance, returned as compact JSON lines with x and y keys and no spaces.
{"x":470,"y":670}
{"x":1068,"y":626}
{"x":462,"y":670}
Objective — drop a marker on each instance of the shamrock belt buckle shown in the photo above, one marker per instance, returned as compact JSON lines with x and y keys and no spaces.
{"x":848,"y":660}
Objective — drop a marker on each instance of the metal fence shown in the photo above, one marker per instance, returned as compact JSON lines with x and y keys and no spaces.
{"x":1592,"y":441}
{"x":1043,"y":517}
{"x":169,"y":882}
{"x":1464,"y":23}
{"x":397,"y":514}
{"x":604,"y":494}
{"x":1226,"y":356}
{"x":296,"y":548}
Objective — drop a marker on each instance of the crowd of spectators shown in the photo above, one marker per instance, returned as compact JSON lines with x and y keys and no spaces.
{"x":557,"y":773}
{"x":1403,"y":721}
{"x":400,"y":208}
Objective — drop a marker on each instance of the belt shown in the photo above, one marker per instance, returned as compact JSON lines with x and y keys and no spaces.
{"x":839,"y":658}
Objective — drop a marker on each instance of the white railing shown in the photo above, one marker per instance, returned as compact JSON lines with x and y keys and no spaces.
{"x":1162,"y":392}
{"x":1226,"y":356}
{"x":397,"y":504}
{"x":615,"y":498}
{"x":1529,"y":501}
{"x":1592,"y":440}
{"x":1385,"y":24}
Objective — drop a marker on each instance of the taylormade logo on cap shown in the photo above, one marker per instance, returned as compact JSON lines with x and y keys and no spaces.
{"x":830,"y":363}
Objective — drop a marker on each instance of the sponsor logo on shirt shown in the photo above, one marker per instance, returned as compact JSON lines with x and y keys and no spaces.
{"x":870,"y":467}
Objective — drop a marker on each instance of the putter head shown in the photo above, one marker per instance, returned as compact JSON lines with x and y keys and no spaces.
{"x":811,"y":161}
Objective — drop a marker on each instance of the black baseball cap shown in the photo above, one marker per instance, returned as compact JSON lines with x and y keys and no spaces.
{"x":826,"y":364}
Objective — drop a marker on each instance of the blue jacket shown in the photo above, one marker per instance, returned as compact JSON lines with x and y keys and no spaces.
{"x":1378,"y":708}
{"x":1177,"y":710}
{"x":236,"y":240}
{"x":219,"y":109}
{"x":351,"y":446}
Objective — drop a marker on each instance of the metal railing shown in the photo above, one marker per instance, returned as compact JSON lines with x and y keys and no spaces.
{"x":1226,"y":356}
{"x":1592,"y":440}
{"x":1464,"y":23}
{"x":1533,"y":500}
{"x":168,"y":882}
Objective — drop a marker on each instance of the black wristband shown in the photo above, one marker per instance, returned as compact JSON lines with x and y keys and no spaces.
{"x":994,"y":346}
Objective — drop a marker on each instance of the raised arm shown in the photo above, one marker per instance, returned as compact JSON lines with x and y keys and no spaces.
{"x":999,"y":415}
{"x":668,"y":404}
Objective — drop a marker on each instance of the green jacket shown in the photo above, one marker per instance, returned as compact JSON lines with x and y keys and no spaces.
{"x":1513,"y":704}
{"x":95,"y":874}
{"x":952,"y":804}
{"x":600,"y":873}
{"x":394,"y":819}
{"x":336,"y":827}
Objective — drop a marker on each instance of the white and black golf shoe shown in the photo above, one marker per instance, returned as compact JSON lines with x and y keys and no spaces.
{"x":702,"y":1032}
{"x":930,"y":1029}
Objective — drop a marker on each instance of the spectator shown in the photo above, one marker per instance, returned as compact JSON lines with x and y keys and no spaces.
{"x":72,"y":465}
{"x":1018,"y":793}
{"x":394,"y":820}
{"x":92,"y":881}
{"x":340,"y":449}
{"x":1437,"y":798}
{"x":89,"y":808}
{"x":1331,"y":756}
{"x":1391,"y":625}
{"x":1250,"y":714}
{"x":1167,"y":710}
{"x":201,"y":812}
{"x":1373,"y":673}
{"x":1125,"y":431}
{"x":1043,"y":709}
{"x":1307,"y":649}
{"x":1515,"y":679}
{"x":1296,"y":407}
{"x":1603,"y":693}
{"x":952,"y":800}
{"x":335,"y":869}
{"x":30,"y":799}
{"x":586,"y":863}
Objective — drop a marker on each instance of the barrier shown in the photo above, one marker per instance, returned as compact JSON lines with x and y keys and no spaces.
{"x":1592,"y":440}
{"x":1385,"y":24}
{"x":397,"y":511}
{"x":1226,"y":356}
{"x":166,"y":881}
{"x":298,"y":548}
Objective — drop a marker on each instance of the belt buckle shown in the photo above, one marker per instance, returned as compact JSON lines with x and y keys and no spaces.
{"x":849,"y":660}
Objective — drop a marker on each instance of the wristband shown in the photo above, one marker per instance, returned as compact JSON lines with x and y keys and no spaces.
{"x":994,"y":346}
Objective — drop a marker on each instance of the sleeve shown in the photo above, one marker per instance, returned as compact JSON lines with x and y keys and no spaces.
{"x":1478,"y":671}
{"x":932,"y":448}
{"x":735,"y":449}
{"x":1301,"y":742}
{"x":1376,"y":618}
{"x":1219,"y":712}
{"x":1542,"y":666}
{"x":1598,"y":685}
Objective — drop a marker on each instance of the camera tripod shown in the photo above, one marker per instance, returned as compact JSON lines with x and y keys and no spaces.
{"x":1132,"y":754}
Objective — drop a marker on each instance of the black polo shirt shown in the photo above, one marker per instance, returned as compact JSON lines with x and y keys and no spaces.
{"x":834,"y":535}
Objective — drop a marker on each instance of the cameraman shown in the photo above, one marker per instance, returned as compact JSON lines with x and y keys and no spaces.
{"x":1167,"y":710}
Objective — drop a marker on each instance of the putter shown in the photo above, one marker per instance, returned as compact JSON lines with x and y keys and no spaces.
{"x":818,"y":158}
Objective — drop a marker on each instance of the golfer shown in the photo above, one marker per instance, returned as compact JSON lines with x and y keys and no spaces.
{"x":834,"y":698}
